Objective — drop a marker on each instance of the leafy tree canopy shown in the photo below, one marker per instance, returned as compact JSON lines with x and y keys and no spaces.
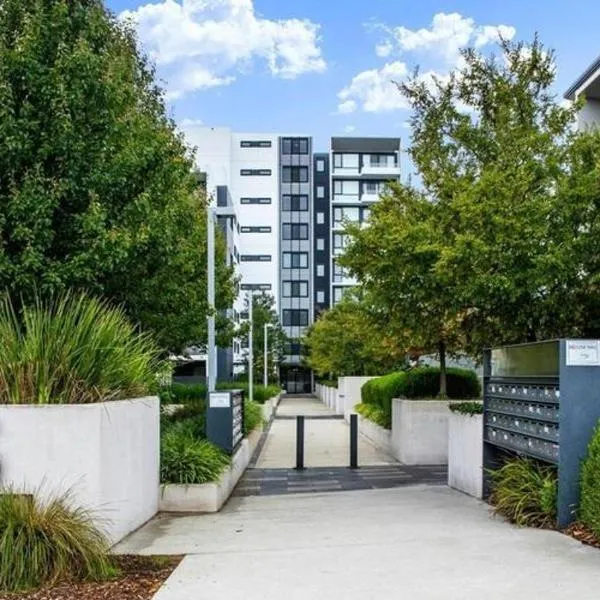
{"x":96,"y":186}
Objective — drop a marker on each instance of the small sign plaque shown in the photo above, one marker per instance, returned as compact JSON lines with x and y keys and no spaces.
{"x":583,"y":353}
{"x":220,"y":400}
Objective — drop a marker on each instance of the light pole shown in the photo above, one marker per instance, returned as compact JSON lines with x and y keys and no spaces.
{"x":250,"y":348}
{"x":266,"y":356}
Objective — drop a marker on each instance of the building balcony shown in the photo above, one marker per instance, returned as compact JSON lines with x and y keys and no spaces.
{"x":369,"y":197}
{"x":346,"y":198}
{"x":346,"y":171}
{"x":381,"y":170}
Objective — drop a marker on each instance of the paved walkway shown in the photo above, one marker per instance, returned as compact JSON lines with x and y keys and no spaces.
{"x":413,"y":543}
{"x":326,"y":438}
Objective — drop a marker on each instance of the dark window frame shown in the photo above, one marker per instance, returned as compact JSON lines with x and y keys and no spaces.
{"x":255,"y":144}
{"x":295,"y":282}
{"x":295,"y":255}
{"x":297,"y":231}
{"x":296,"y":202}
{"x":294,"y":146}
{"x":256,"y":258}
{"x":294,"y":174}
{"x":248,"y":200}
{"x":295,"y":317}
{"x":257,"y":229}
{"x":256,"y":172}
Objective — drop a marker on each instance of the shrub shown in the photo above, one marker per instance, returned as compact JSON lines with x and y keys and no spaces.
{"x":260,"y":393}
{"x":589,"y":510}
{"x":253,"y":416}
{"x":72,"y":349}
{"x":187,"y":460}
{"x":467,"y":408}
{"x":422,"y":383}
{"x":374,"y":413}
{"x":181,"y":393}
{"x":525,"y":492}
{"x":41,"y":543}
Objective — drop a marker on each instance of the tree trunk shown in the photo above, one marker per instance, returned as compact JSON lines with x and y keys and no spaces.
{"x":443,"y":385}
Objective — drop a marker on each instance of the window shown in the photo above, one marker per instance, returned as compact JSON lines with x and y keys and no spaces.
{"x":295,"y":289}
{"x":255,"y":172}
{"x":293,"y":349}
{"x":297,"y":231}
{"x":345,"y":161}
{"x":365,"y":214}
{"x":320,"y":243}
{"x":382,"y":160}
{"x":345,"y":213}
{"x":255,"y":143}
{"x":295,"y":260}
{"x":340,"y":241}
{"x":321,"y":297}
{"x":255,"y":258}
{"x":338,"y":273}
{"x":320,"y":218}
{"x":294,"y":146}
{"x":295,"y":318}
{"x":320,"y":191}
{"x":320,"y":165}
{"x":255,"y":201}
{"x":345,"y":188}
{"x":259,"y":229}
{"x":320,"y":270}
{"x":338,"y":293}
{"x":297,"y":202}
{"x":263,"y":287}
{"x":295,"y":174}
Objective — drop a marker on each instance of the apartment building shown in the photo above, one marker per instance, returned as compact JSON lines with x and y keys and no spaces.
{"x":290,"y":207}
{"x":588,"y":86}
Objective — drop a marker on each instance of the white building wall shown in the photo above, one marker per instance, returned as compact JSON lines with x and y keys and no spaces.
{"x":589,"y":115}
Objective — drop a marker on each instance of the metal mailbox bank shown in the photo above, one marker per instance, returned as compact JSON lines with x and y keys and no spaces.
{"x":542,"y":400}
{"x":225,"y":419}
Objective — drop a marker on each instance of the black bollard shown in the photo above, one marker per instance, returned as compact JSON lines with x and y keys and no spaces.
{"x":299,"y":442}
{"x":354,"y":441}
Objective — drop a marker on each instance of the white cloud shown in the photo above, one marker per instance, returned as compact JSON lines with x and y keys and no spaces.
{"x":201,"y":44}
{"x":384,"y":49}
{"x":349,"y":129}
{"x":184,"y":123}
{"x":375,"y":90}
{"x":436,"y":47}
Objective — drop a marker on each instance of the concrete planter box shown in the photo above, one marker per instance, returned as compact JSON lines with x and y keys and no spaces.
{"x":465,"y":453}
{"x":420,"y":431}
{"x":379,"y":436}
{"x":107,"y":453}
{"x":269,"y":407}
{"x":210,"y":497}
{"x":350,"y":390}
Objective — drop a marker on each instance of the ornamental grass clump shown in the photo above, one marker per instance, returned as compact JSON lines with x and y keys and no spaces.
{"x":72,"y":349}
{"x":44,"y":542}
{"x":589,"y":509}
{"x":525,"y":492}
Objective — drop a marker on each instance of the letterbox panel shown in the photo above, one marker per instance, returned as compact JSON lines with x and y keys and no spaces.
{"x":528,"y":360}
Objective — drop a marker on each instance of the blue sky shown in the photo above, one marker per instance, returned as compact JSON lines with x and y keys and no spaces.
{"x":323,"y":67}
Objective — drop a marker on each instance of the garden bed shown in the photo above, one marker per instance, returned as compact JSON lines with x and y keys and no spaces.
{"x":210,"y":497}
{"x":139,"y":577}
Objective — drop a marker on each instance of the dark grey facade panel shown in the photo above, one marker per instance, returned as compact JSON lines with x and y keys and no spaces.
{"x":365,"y":145}
{"x":321,"y":231}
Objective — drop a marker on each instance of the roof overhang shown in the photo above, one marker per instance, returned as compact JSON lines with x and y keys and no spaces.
{"x":588,"y":84}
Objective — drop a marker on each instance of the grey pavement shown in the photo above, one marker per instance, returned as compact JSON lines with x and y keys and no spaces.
{"x":327,"y":440}
{"x":418,"y":542}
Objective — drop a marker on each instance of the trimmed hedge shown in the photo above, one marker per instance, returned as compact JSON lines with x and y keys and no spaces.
{"x":373,"y":413}
{"x":467,"y":408}
{"x":419,"y":383}
{"x":182,"y":393}
{"x":589,"y":510}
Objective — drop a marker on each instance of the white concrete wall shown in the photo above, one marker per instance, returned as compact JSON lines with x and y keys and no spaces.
{"x":589,"y":115}
{"x":349,"y":388}
{"x":379,"y":436}
{"x":107,"y":453}
{"x":465,"y":453}
{"x":420,"y":431}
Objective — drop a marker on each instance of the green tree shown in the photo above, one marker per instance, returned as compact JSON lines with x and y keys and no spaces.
{"x":395,"y":260}
{"x":349,"y":339}
{"x":491,"y":146}
{"x":96,"y":186}
{"x":264,"y":313}
{"x":496,"y":244}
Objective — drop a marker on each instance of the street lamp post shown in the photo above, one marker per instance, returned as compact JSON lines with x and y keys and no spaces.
{"x":250,"y":349}
{"x":266,"y":356}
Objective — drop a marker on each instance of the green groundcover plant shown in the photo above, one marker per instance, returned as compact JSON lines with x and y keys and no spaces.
{"x":253,"y":416}
{"x":418,"y":383}
{"x":374,"y":413}
{"x":72,"y":349}
{"x":525,"y":492}
{"x":467,"y":408}
{"x":589,"y":510}
{"x":43,"y":542}
{"x":182,"y":393}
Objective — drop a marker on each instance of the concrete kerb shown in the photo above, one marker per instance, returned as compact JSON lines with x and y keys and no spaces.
{"x":465,"y":453}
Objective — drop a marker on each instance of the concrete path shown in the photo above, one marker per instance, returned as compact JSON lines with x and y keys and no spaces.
{"x":327,"y":438}
{"x":410,"y":543}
